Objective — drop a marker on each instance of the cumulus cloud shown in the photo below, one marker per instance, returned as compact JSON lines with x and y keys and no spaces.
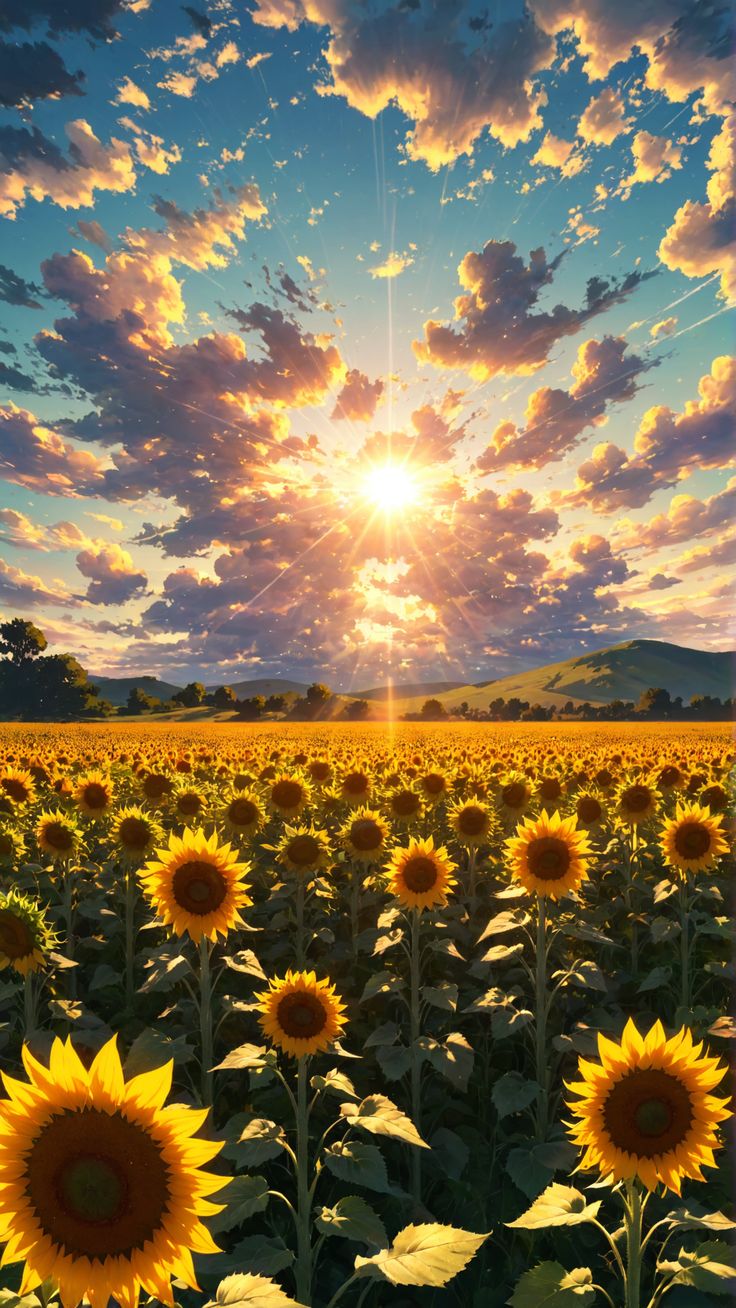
{"x":15,"y":290}
{"x":21,"y":590}
{"x":113,"y":578}
{"x":604,"y":118}
{"x":129,"y":93}
{"x":667,"y":447}
{"x":93,"y":19}
{"x":32,"y":165}
{"x":559,"y":154}
{"x":19,"y":530}
{"x":34,"y":71}
{"x":702,"y":237}
{"x":655,"y":159}
{"x":664,"y":327}
{"x":358,"y":398}
{"x":392,"y":265}
{"x":686,"y":518}
{"x":34,"y":456}
{"x":604,"y":373}
{"x":500,"y":332}
{"x":204,"y":238}
{"x":451,"y":82}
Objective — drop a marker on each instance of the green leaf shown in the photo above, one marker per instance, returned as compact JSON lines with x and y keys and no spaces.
{"x":264,"y":1256}
{"x":354,"y":1219}
{"x":152,"y":1049}
{"x":253,"y":1291}
{"x":709,"y":1267}
{"x":512,"y":1093}
{"x":509,"y":920}
{"x":548,"y":1285}
{"x":394,"y":1061}
{"x":245,"y":961}
{"x":259,"y":1140}
{"x":527,"y":1172}
{"x":559,"y":1205}
{"x":499,"y":954}
{"x":385,"y":1034}
{"x":359,"y":1164}
{"x":443,"y":995}
{"x":509,"y":1021}
{"x":695,"y":1218}
{"x":245,"y":1056}
{"x":453,"y":1058}
{"x":242,"y":1196}
{"x":450,"y":1152}
{"x":380,"y":1116}
{"x":429,"y":1254}
{"x":334,"y":1082}
{"x":164,"y":972}
{"x":655,"y":980}
{"x":381,"y":983}
{"x":587,"y":974}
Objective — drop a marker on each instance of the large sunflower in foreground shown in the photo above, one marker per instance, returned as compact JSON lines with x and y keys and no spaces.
{"x":300,"y":1014}
{"x":420,"y":874}
{"x":646,"y":1109}
{"x":102,"y":1188}
{"x":692,"y":840}
{"x":548,"y":854}
{"x":197,"y":885}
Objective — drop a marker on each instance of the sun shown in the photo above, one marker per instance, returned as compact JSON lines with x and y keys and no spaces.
{"x":391,"y":488}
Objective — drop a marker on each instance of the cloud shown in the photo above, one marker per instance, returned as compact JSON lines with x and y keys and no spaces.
{"x":204,"y":238}
{"x":500,"y":333}
{"x":664,"y":327}
{"x":113,"y":578}
{"x":21,"y":590}
{"x":17,"y":529}
{"x":451,"y":82}
{"x":667,"y":447}
{"x":604,"y":118}
{"x":655,"y":159}
{"x":15,"y":290}
{"x":358,"y":398}
{"x":556,"y":153}
{"x":720,"y":553}
{"x":34,"y":456}
{"x":129,"y":93}
{"x":15,"y":379}
{"x":93,"y":19}
{"x":34,"y":71}
{"x":604,"y":374}
{"x":392,"y":265}
{"x":686,"y":518}
{"x":702,"y":237}
{"x":32,"y":165}
{"x":658,"y":581}
{"x":95,"y":233}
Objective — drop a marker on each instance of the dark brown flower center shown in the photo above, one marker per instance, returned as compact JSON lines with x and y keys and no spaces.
{"x":301,"y":1014}
{"x":715,"y":798}
{"x":420,"y":873}
{"x":604,"y":777}
{"x":692,"y":840}
{"x":16,"y":789}
{"x":97,"y":1183}
{"x":405,"y":803}
{"x":189,"y":804}
{"x":304,"y":850}
{"x":549,"y":858}
{"x":637,"y":798}
{"x":58,"y":836}
{"x":647,"y":1113}
{"x":242,"y":812}
{"x":155,"y":786}
{"x":6,"y":845}
{"x":366,"y":835}
{"x":95,"y":795}
{"x":514,"y":795}
{"x":319,"y":769}
{"x":550,"y":788}
{"x":287,"y":794}
{"x":669,"y":776}
{"x":199,"y":887}
{"x":588,"y":809}
{"x":135,"y":833}
{"x":355,"y":783}
{"x":472,"y":820}
{"x":16,"y":939}
{"x":434,"y":783}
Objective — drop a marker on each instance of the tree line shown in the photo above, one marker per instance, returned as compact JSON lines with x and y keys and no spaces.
{"x":654,"y":704}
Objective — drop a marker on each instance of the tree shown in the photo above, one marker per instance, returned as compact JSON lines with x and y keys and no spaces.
{"x":275,"y":704}
{"x":250,"y":710}
{"x":432,"y":710}
{"x":357,"y":710}
{"x":318,"y":694}
{"x":224,"y":698}
{"x":655,"y":702}
{"x":140,"y":702}
{"x":21,"y":640}
{"x":191,"y":696}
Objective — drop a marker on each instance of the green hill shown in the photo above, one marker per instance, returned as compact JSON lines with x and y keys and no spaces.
{"x":117,"y":689}
{"x":618,"y":672}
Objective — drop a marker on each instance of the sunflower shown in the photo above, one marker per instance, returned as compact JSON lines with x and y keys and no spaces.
{"x":550,"y":790}
{"x":17,"y":785}
{"x":715,"y":797}
{"x":320,"y":771}
{"x":547,"y":854}
{"x":303,"y":849}
{"x":355,"y":786}
{"x":590,"y":810}
{"x":300,"y":1014}
{"x":197,"y":886}
{"x":134,"y":834}
{"x":288,"y":794}
{"x":404,"y":804}
{"x":692,"y":840}
{"x":435,"y":786}
{"x":102,"y":1188}
{"x":364,"y":835}
{"x":189,"y":803}
{"x":11,"y":847}
{"x":646,"y":1109}
{"x":58,"y":835}
{"x":420,"y":875}
{"x":515,"y":793}
{"x":670,"y":778}
{"x":93,"y":793}
{"x":156,"y":786}
{"x":243,"y":813}
{"x":25,"y":935}
{"x":472,"y":821}
{"x":636,"y":803}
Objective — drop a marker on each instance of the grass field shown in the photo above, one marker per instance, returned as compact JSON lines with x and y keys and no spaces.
{"x":464,"y":989}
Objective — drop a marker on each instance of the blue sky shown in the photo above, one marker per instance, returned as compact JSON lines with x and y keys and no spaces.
{"x":305,"y":403}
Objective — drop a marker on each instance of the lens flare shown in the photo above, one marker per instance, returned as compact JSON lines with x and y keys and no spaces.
{"x":391,"y":488}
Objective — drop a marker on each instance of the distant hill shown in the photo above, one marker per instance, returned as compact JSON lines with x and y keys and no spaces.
{"x":263,"y":686}
{"x":117,"y":689}
{"x":407,"y":690}
{"x":618,"y":672}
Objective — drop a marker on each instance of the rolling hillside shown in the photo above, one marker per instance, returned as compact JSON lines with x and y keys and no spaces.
{"x":619,"y":672}
{"x":117,"y":689}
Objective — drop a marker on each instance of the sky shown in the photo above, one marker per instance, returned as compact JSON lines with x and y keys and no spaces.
{"x":362,"y":340}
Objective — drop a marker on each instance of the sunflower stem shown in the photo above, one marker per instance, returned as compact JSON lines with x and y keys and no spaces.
{"x":633,"y":1224}
{"x":205,"y":1019}
{"x":541,"y":1019}
{"x":472,"y":859}
{"x":304,"y":1198}
{"x":30,"y":1006}
{"x":634,"y":923}
{"x":355,"y":908}
{"x":68,"y":905}
{"x":415,"y":1065}
{"x":130,"y":898}
{"x":685,"y":996}
{"x":300,"y":922}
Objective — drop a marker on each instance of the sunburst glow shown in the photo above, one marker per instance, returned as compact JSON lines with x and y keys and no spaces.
{"x":391,"y":488}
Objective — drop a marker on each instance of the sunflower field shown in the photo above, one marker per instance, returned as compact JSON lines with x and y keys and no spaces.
{"x":320,"y":1015}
